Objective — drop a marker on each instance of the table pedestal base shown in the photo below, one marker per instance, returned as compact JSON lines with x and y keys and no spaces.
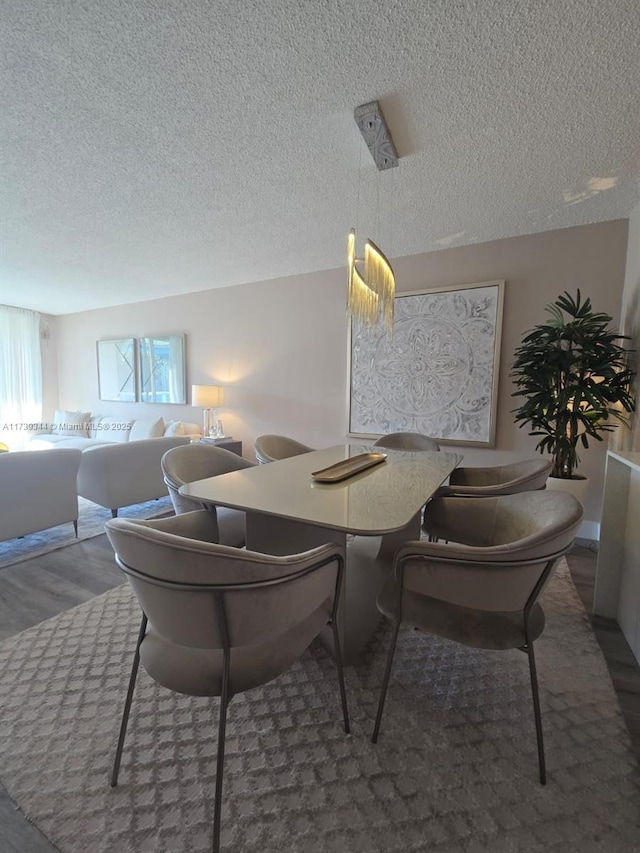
{"x":368,"y":561}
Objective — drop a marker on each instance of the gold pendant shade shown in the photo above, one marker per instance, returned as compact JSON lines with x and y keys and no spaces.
{"x":371,"y":293}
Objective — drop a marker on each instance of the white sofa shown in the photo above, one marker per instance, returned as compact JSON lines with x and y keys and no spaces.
{"x":81,"y":430}
{"x":38,"y":490}
{"x":119,"y":474}
{"x":120,"y":462}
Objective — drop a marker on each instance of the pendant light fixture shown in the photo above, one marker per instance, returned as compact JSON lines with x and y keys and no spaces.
{"x":371,"y":282}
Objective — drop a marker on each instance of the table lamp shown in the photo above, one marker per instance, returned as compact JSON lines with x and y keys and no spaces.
{"x":209,"y":397}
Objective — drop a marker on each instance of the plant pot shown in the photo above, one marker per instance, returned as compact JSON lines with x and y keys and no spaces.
{"x":576,"y":486}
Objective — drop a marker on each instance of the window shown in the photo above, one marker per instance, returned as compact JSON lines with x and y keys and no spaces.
{"x":20,"y":374}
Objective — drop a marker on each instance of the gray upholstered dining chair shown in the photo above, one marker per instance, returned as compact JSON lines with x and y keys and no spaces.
{"x":407,"y":441}
{"x":193,"y":462}
{"x":524,"y":476}
{"x":482,"y":588}
{"x":217,"y":621}
{"x":271,"y":448}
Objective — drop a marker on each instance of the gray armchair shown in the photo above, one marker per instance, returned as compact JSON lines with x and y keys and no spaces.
{"x":407,"y":441}
{"x":197,"y":462}
{"x":483,"y":590}
{"x":271,"y":448}
{"x":524,"y":476}
{"x":217,"y":620}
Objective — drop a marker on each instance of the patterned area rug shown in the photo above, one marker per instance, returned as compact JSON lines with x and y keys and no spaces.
{"x":455,"y":770}
{"x":91,"y":521}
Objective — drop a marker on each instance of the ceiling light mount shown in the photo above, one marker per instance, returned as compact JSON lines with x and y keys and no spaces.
{"x":371,"y":282}
{"x":376,"y":134}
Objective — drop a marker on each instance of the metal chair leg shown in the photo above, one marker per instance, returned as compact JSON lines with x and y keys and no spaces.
{"x":127,"y":704}
{"x":222,"y":727}
{"x":385,"y":682}
{"x":536,"y":711}
{"x":343,"y":692}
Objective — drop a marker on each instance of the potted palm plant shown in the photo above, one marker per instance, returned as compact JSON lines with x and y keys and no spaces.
{"x":575,"y":380}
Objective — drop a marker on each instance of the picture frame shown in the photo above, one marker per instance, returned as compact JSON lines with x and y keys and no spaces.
{"x":117,"y":370}
{"x":437,"y":374}
{"x":162,"y":369}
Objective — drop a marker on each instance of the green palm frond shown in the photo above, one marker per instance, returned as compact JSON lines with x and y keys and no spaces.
{"x":573,"y":375}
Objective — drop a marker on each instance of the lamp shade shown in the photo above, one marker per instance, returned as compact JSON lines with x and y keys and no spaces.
{"x":207,"y":396}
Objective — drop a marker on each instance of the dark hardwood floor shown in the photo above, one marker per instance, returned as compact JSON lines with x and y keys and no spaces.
{"x":623,"y":667}
{"x":38,"y":589}
{"x":31,"y":592}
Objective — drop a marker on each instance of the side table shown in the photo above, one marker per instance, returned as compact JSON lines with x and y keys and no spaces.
{"x":227,"y":443}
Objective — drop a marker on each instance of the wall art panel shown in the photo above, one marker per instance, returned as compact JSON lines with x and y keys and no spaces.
{"x":117,"y":370}
{"x":437,"y":374}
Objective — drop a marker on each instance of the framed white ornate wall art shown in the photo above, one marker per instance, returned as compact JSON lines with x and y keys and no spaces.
{"x":438,"y":373}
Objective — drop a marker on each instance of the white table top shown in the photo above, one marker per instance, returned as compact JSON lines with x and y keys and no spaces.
{"x":380,"y":500}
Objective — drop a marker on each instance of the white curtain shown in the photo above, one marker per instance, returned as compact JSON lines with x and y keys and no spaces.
{"x":20,"y":374}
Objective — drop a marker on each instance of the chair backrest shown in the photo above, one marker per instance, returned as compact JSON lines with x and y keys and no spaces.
{"x":271,"y":448}
{"x":498,"y":548}
{"x":194,"y":591}
{"x":407,"y":441}
{"x":196,"y":462}
{"x":522,"y":476}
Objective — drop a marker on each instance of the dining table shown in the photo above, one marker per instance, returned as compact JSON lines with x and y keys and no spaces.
{"x":289,"y":509}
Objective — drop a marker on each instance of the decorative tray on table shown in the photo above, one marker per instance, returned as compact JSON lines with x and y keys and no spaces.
{"x":348,"y":467}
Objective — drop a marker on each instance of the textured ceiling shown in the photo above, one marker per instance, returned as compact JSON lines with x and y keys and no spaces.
{"x":157,"y":147}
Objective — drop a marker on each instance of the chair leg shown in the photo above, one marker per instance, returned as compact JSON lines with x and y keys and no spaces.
{"x":536,"y":711}
{"x":343,"y":692}
{"x":222,"y":727}
{"x":385,"y":683}
{"x":75,"y":527}
{"x":127,"y":704}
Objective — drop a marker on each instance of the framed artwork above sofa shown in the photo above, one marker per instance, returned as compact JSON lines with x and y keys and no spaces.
{"x":149,"y":369}
{"x":161,"y":360}
{"x":117,"y":370}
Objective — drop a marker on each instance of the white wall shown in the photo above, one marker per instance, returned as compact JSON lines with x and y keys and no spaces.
{"x":279,"y":346}
{"x":629,"y":439}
